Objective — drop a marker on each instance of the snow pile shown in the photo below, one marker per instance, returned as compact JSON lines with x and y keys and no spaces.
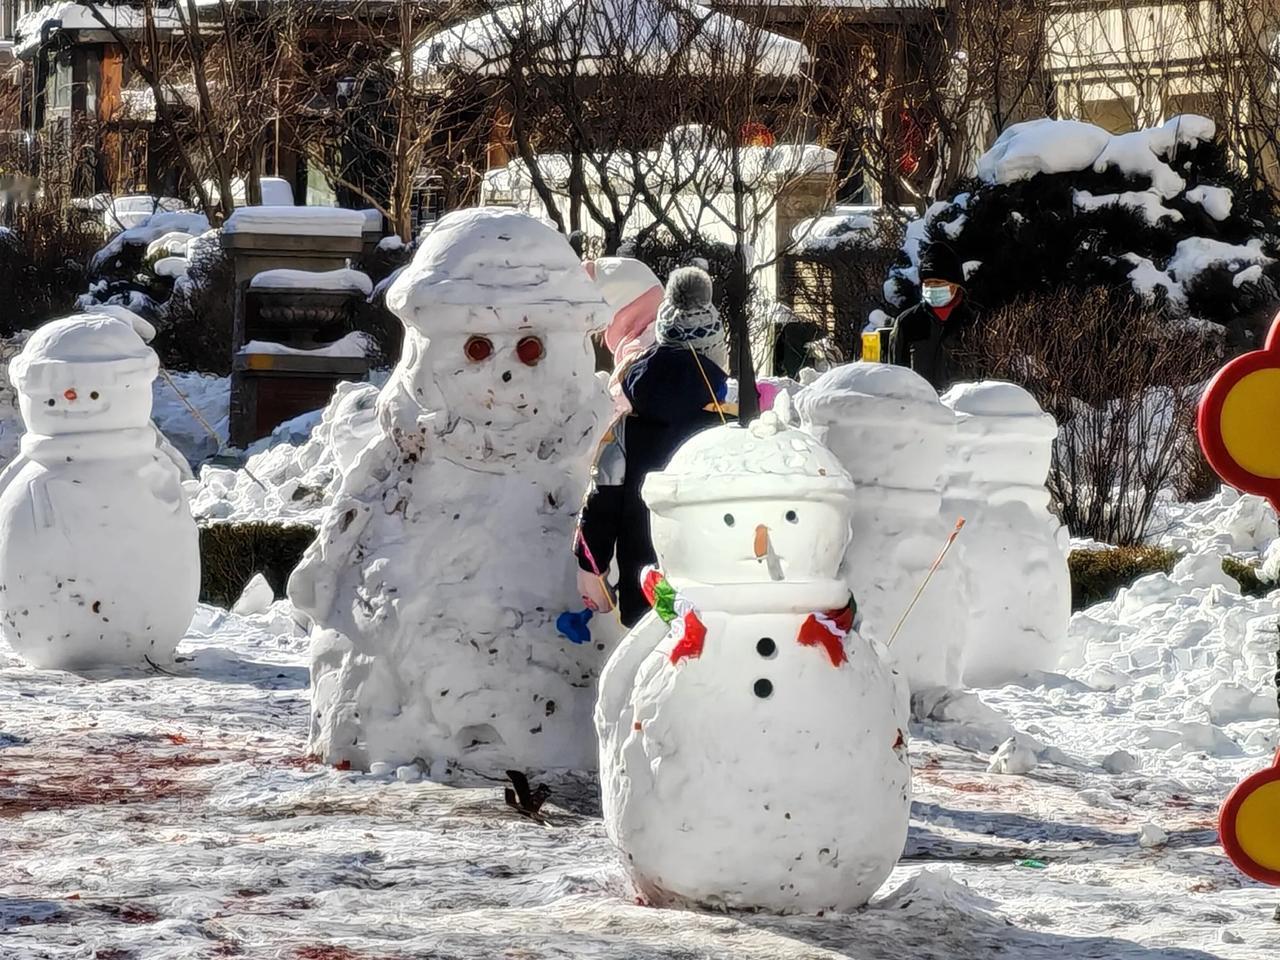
{"x":351,"y":346}
{"x":149,"y":229}
{"x":441,"y":566}
{"x":1146,"y":202}
{"x":1217,"y":201}
{"x":343,"y":280}
{"x":1025,"y":150}
{"x":1047,"y":146}
{"x":288,"y":482}
{"x":276,"y":192}
{"x":296,"y":221}
{"x":172,"y":244}
{"x":1230,"y":522}
{"x":124,"y":213}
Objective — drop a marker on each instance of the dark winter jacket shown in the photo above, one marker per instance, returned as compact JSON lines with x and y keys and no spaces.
{"x":670,"y":402}
{"x":926,"y":343}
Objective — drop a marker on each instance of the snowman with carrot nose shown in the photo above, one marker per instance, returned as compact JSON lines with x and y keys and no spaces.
{"x":752,"y":744}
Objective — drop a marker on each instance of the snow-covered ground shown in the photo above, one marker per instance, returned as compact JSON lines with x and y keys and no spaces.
{"x":174,"y":816}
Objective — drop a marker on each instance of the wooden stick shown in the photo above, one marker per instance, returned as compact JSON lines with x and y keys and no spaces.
{"x":928,"y":576}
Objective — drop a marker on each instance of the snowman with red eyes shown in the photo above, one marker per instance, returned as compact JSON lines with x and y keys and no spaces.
{"x":752,"y":746}
{"x":441,"y":566}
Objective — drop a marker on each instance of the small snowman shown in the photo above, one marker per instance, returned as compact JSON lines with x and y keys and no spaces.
{"x":752,"y":745}
{"x":99,"y":556}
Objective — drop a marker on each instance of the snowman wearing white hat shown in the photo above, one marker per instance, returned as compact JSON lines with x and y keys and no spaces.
{"x":99,"y":556}
{"x":752,"y":745}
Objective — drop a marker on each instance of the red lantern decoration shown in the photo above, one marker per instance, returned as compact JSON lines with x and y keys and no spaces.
{"x":755,"y":134}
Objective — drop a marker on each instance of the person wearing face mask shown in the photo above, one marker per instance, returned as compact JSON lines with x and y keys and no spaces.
{"x":924,"y":336}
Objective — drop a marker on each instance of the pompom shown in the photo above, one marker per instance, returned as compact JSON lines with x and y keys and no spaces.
{"x":689,"y":288}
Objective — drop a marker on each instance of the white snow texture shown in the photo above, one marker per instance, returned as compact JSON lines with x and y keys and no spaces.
{"x":443,"y":562}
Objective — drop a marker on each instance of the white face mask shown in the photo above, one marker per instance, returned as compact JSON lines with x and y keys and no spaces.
{"x":937,"y":296}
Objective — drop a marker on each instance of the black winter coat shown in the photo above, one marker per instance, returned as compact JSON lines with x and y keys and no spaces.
{"x":669,"y":404}
{"x":927,"y":344}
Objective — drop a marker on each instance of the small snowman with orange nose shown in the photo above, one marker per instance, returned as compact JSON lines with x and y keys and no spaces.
{"x":99,"y":555}
{"x":752,"y":745}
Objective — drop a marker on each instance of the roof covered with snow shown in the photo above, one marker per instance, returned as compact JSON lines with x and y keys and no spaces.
{"x":584,"y":36}
{"x":82,"y":16}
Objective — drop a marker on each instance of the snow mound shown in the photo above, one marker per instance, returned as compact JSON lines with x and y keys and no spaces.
{"x":296,"y":221}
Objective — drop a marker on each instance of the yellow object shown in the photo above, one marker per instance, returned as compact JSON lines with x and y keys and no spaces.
{"x":871,"y":347}
{"x":1250,"y":413}
{"x":259,"y":361}
{"x":1258,"y":825}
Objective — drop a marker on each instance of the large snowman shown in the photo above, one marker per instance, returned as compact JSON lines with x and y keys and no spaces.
{"x":752,"y":746}
{"x":441,"y":566}
{"x":99,"y":556}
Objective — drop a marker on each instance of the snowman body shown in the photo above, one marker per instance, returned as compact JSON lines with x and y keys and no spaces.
{"x":99,"y":556}
{"x":1018,"y":580}
{"x":444,"y":560}
{"x":752,"y":745}
{"x":888,"y":428}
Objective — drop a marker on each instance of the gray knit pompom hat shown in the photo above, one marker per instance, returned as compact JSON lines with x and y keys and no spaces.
{"x":687,"y":317}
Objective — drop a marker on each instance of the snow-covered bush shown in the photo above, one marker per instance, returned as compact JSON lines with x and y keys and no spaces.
{"x":1064,"y":203}
{"x":194,"y":325}
{"x":1123,"y":387}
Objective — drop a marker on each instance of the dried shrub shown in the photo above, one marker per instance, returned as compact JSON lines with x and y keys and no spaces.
{"x":231,"y":553}
{"x":43,"y":251}
{"x":1122,"y":382}
{"x":1098,"y":575}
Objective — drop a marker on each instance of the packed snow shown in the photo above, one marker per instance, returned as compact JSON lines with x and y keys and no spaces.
{"x":1065,"y":146}
{"x":1217,"y":201}
{"x":344,"y":280}
{"x":296,"y":221}
{"x":1146,"y":202}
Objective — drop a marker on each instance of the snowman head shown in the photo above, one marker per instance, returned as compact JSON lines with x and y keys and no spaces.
{"x":84,"y":374}
{"x":497,"y":309}
{"x":759,"y":504}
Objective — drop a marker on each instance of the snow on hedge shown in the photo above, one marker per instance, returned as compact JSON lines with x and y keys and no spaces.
{"x":1065,"y":202}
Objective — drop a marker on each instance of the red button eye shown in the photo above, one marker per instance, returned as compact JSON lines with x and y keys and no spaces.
{"x":478,"y":349}
{"x":530,"y":351}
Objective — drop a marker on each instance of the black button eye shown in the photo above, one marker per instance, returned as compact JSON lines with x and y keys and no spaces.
{"x":791,"y":517}
{"x":728,"y":520}
{"x":93,"y":395}
{"x":767,"y":648}
{"x":51,"y":401}
{"x":763,"y":689}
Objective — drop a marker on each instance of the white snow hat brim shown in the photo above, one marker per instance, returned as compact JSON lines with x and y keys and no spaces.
{"x":624,"y":280}
{"x":662,"y":491}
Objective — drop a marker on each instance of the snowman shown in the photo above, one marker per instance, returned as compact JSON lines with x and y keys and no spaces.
{"x":444,"y":560}
{"x":887,"y":426}
{"x":99,"y":556}
{"x":1015,"y":550}
{"x":752,"y":745}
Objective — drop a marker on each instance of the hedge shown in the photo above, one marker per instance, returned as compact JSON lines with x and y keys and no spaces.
{"x":231,"y":553}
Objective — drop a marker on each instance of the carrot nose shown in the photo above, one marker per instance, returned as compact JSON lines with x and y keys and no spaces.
{"x":70,"y":394}
{"x":762,"y":541}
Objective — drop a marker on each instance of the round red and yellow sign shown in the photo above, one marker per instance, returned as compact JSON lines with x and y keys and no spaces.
{"x":1249,"y":825}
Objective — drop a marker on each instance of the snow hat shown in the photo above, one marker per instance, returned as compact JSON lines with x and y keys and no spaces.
{"x":633,"y":292}
{"x":101,"y":344}
{"x":939,"y":262}
{"x":765,"y":459}
{"x":687,"y":316}
{"x":494,"y":257}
